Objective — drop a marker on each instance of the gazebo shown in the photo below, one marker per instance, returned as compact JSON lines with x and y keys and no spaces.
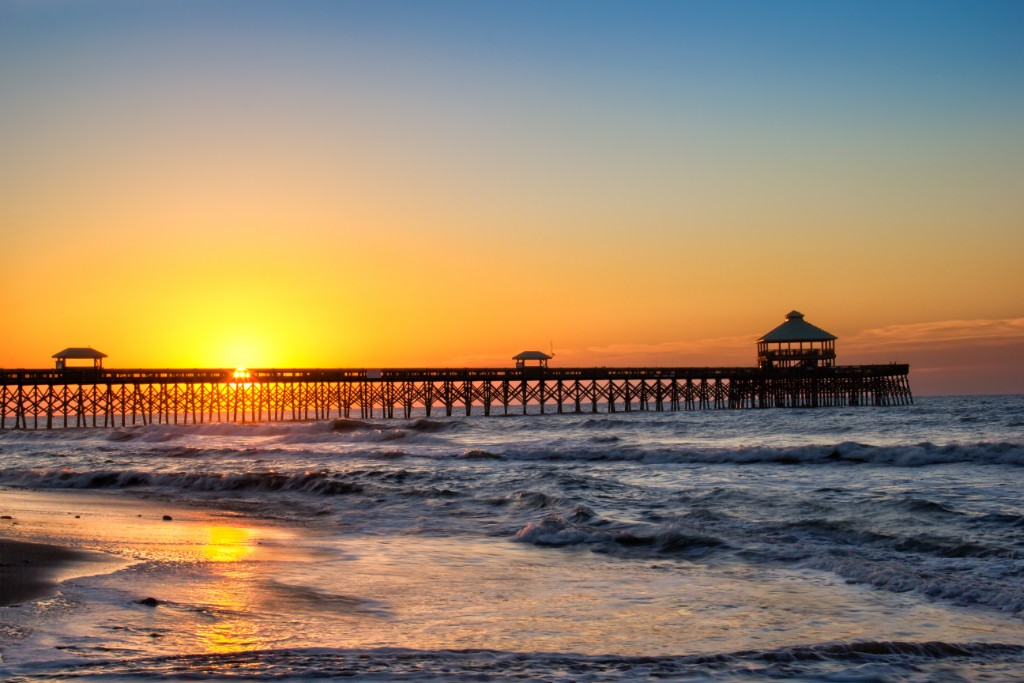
{"x":796,"y":343}
{"x":539,"y":357}
{"x":79,"y":353}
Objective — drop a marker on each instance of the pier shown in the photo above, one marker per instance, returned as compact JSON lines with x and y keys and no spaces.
{"x":98,"y":397}
{"x":796,"y":368}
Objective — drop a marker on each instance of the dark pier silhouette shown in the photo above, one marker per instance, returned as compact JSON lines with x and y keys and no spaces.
{"x":796,"y":369}
{"x":84,"y":397}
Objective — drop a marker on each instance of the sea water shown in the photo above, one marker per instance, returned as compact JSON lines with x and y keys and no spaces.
{"x":828,"y":544}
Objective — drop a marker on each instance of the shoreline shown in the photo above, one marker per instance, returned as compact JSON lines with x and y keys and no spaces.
{"x":30,"y":571}
{"x":49,"y":536}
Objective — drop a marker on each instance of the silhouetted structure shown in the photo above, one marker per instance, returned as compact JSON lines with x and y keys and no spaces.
{"x":796,"y":343}
{"x":109,"y":398}
{"x":79,"y":353}
{"x":796,"y":369}
{"x":539,"y":357}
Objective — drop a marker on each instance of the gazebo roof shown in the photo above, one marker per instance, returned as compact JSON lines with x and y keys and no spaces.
{"x":77,"y":352}
{"x":532,"y":355}
{"x":796,"y":329}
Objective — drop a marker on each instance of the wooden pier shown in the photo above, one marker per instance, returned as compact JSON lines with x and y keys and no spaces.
{"x":97,"y":397}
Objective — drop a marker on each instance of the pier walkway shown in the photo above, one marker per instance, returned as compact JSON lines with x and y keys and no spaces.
{"x":97,"y":397}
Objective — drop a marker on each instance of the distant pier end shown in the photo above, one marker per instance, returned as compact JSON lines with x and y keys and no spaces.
{"x":796,"y":369}
{"x":796,"y":344}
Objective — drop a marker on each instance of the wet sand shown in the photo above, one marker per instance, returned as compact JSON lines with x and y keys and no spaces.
{"x":28,"y":571}
{"x":48,"y":537}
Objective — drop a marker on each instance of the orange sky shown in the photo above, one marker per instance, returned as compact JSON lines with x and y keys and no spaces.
{"x":273,"y":188}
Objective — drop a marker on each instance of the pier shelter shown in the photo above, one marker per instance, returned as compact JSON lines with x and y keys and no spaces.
{"x":539,"y":357}
{"x":796,"y":343}
{"x":79,"y":353}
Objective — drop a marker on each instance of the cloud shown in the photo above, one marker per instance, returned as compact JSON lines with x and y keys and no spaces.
{"x":930,"y":335}
{"x":700,"y":352}
{"x":941,"y":334}
{"x":938,"y":346}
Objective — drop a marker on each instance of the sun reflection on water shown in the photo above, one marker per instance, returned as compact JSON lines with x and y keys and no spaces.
{"x":229,"y":597}
{"x":227,"y":544}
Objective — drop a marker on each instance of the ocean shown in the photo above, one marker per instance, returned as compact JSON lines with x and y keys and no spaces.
{"x":841,"y":544}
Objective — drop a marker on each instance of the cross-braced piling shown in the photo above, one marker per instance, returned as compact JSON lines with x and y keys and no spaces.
{"x":95,"y":397}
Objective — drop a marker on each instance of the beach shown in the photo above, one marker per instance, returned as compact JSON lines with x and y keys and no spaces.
{"x":27,"y":569}
{"x":879,"y":542}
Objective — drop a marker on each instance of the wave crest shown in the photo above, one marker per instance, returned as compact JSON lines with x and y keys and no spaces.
{"x":888,"y":660}
{"x":320,"y":483}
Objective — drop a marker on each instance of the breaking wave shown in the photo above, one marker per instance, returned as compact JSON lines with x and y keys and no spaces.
{"x":582,"y":527}
{"x":319,"y":483}
{"x":650,"y":438}
{"x":862,"y":661}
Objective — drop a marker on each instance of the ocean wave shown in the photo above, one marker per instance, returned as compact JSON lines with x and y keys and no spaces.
{"x":1007,"y":519}
{"x":554,"y":530}
{"x":892,"y":649}
{"x":862,"y":660}
{"x":388,"y":485}
{"x":320,"y":483}
{"x":165,"y":432}
{"x":963,"y":577}
{"x":646,"y":439}
{"x":343,"y":424}
{"x":479,"y":454}
{"x":852,"y":533}
{"x":312,"y":432}
{"x":845,"y":453}
{"x":536,"y":500}
{"x":425,"y":425}
{"x":196,"y":452}
{"x":927,"y":507}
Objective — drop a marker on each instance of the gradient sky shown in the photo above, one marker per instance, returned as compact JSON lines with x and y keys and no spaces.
{"x":321,"y":184}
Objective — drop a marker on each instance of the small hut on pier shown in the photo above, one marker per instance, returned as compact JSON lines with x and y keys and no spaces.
{"x":796,"y":343}
{"x":79,"y":353}
{"x":539,"y":357}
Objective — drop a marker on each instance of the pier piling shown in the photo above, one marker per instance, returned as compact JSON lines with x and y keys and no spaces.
{"x":47,"y":399}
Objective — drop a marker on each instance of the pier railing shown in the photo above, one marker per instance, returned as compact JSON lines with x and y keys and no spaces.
{"x":80,"y":397}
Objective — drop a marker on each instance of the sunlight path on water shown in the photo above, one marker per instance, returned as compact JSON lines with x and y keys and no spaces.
{"x":427,"y":594}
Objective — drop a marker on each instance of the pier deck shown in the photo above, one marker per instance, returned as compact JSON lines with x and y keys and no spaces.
{"x":88,"y":397}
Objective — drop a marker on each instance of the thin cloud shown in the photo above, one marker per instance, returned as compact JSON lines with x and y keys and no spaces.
{"x":673,"y":347}
{"x":701,"y":352}
{"x":940,"y":333}
{"x":740,"y":350}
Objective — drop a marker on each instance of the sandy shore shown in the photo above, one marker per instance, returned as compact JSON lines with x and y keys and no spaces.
{"x":43,"y":541}
{"x":48,"y":537}
{"x":28,"y":571}
{"x":87,"y":573}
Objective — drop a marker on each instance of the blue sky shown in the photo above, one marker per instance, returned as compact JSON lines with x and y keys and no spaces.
{"x":870,"y":152}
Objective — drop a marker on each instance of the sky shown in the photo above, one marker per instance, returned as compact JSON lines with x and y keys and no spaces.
{"x":308,"y":183}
